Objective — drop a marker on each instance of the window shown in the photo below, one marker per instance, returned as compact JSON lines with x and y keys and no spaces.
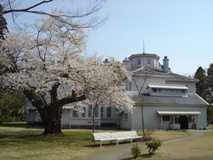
{"x":83,"y":113}
{"x":172,"y":91}
{"x":96,"y":112}
{"x":109,"y":109}
{"x":149,"y":62}
{"x":154,"y":90}
{"x":125,"y":116}
{"x":139,"y":62}
{"x":90,"y":111}
{"x":182,"y":91}
{"x":166,"y":118}
{"x":102,"y":111}
{"x":176,"y":120}
{"x":74,"y":113}
{"x":191,"y":118}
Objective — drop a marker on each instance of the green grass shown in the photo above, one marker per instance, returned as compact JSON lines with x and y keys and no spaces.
{"x":195,"y":149}
{"x":24,"y":143}
{"x":168,"y":135}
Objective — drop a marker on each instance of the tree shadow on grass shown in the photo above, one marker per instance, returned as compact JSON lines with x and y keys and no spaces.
{"x":97,"y":145}
{"x":21,"y":125}
{"x":145,"y":156}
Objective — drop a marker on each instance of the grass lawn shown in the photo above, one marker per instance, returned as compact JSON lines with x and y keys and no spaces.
{"x":196,"y":149}
{"x":166,"y":135}
{"x":23,"y":143}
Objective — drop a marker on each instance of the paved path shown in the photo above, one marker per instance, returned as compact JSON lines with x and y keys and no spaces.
{"x":119,"y":152}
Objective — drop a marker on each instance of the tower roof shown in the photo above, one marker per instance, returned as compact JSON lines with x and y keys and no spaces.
{"x":144,"y":55}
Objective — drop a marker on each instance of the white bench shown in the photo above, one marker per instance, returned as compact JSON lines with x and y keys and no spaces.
{"x":116,"y":136}
{"x":127,"y":135}
{"x":102,"y":137}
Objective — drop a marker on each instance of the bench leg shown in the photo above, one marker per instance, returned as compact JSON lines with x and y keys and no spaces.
{"x":117,"y":142}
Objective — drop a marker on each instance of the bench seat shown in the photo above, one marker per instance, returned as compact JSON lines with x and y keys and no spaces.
{"x":116,"y":136}
{"x":101,"y":137}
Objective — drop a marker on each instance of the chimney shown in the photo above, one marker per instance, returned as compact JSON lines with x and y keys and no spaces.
{"x":126,"y":63}
{"x":166,"y":64}
{"x":106,"y":61}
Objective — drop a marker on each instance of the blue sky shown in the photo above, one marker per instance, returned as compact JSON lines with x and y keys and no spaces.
{"x":182,"y":30}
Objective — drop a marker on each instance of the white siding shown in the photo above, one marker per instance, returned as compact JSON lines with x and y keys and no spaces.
{"x":126,"y":123}
{"x":191,"y":86}
{"x":65,"y":121}
{"x":148,"y":80}
{"x":153,"y":120}
{"x":84,"y":121}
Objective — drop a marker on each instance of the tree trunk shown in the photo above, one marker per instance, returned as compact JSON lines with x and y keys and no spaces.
{"x":143,"y":127}
{"x":51,"y":117}
{"x":93,"y":120}
{"x":0,"y":116}
{"x":51,"y":113}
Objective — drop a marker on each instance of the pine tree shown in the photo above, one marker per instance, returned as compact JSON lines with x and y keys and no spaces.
{"x":204,"y":88}
{"x":210,"y":95}
{"x":210,"y":83}
{"x":201,"y":86}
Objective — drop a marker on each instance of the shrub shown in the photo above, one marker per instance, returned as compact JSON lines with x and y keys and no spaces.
{"x":135,"y":151}
{"x":148,"y":134}
{"x":153,"y":146}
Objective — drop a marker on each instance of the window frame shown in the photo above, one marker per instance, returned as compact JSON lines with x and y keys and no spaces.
{"x":166,"y":118}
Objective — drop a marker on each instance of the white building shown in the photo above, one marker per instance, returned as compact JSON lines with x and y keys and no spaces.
{"x":169,"y":100}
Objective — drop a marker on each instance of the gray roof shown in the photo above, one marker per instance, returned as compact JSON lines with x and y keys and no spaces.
{"x":144,"y":55}
{"x":170,"y":100}
{"x":170,"y":76}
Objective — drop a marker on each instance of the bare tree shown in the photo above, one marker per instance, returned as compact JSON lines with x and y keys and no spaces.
{"x":140,"y":87}
{"x":91,"y":20}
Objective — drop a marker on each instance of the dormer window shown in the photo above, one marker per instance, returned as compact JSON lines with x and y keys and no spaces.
{"x":149,"y":62}
{"x":167,"y":89}
{"x":154,"y":90}
{"x":183,"y":91}
{"x":139,"y":62}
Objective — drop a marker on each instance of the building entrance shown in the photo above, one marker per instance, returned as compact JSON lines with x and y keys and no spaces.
{"x":183,"y":121}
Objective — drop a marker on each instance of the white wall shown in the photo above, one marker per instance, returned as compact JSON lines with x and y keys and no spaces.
{"x":65,"y":120}
{"x":191,"y":86}
{"x":153,"y":120}
{"x":126,"y":123}
{"x":148,"y":80}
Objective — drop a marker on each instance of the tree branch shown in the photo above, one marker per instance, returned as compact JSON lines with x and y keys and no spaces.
{"x":25,"y":9}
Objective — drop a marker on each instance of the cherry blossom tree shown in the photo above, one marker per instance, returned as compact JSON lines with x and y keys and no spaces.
{"x":105,"y":84}
{"x":44,"y":61}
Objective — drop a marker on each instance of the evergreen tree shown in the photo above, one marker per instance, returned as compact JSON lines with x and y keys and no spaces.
{"x":210,"y":95}
{"x":204,"y":88}
{"x":201,"y":86}
{"x":210,"y":83}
